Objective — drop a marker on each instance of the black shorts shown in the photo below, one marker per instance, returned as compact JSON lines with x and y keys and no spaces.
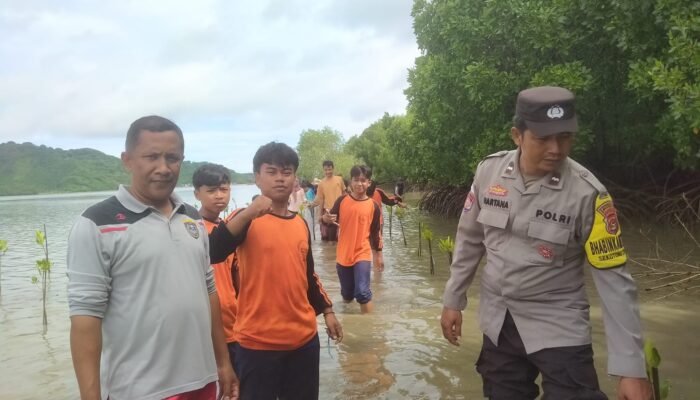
{"x":272,"y":375}
{"x":509,"y":373}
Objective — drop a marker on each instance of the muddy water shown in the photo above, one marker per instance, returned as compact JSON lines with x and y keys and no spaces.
{"x":396,"y":353}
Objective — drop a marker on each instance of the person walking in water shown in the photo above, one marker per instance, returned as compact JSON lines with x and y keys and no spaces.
{"x":360,"y":239}
{"x":145,"y":314}
{"x":540,"y":218}
{"x":329,"y":189}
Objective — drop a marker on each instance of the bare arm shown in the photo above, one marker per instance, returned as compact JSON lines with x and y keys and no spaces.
{"x":86,"y":349}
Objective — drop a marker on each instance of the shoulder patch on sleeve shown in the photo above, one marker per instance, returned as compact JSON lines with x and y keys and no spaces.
{"x":604,"y":248}
{"x":587,"y":176}
{"x":498,"y":154}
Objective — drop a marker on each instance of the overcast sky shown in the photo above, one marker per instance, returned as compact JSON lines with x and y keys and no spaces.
{"x":233,"y":74}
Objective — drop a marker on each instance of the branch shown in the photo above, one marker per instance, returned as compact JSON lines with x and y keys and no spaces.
{"x":673,"y":283}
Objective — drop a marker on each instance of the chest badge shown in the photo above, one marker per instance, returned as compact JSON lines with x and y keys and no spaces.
{"x":498,"y":190}
{"x":192,"y":228}
{"x":546,"y":252}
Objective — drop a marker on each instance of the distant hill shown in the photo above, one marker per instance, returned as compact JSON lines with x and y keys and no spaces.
{"x":30,"y":169}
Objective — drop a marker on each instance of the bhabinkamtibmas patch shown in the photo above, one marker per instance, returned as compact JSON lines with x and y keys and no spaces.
{"x":604,"y":247}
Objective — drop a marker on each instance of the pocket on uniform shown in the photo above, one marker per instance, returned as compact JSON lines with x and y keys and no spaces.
{"x":494,"y":225}
{"x":548,"y":232}
{"x":548,"y":243}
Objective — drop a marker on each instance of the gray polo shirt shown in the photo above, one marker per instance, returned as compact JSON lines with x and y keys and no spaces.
{"x":537,"y":241}
{"x":148,"y":277}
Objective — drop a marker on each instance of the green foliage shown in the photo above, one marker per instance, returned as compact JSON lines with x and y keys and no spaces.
{"x":653,"y":360}
{"x":427,"y":234}
{"x":40,"y":238}
{"x":446,"y":245}
{"x":674,"y":76}
{"x":400,"y":213}
{"x":652,"y":356}
{"x":316,"y":146}
{"x":29,"y":169}
{"x":43,"y":266}
{"x":378,"y":146}
{"x":188,"y":167}
{"x":633,"y":64}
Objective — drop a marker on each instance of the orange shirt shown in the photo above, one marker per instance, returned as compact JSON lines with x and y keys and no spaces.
{"x":359,"y":232}
{"x":224,"y":288}
{"x":280,"y":294}
{"x":329,"y":190}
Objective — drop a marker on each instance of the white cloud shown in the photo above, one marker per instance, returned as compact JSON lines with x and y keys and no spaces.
{"x":236,"y":74}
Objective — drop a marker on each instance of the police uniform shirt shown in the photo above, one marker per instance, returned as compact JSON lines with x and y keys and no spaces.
{"x":537,"y":240}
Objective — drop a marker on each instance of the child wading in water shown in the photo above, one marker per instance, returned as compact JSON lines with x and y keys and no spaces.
{"x":277,"y":345}
{"x":359,"y":238}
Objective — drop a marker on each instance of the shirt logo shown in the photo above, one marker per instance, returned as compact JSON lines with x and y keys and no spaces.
{"x":498,"y":190}
{"x":609,"y":214}
{"x":120,"y":217}
{"x":546,"y":252}
{"x":192,"y":228}
{"x":555,"y":112}
{"x":469,"y":202}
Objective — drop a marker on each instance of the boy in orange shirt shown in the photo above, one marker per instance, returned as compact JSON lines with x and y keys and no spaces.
{"x":359,"y":240}
{"x":212,"y":187}
{"x":277,"y":346}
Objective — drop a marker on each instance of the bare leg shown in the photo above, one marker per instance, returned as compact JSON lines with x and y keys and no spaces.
{"x":366,"y":308}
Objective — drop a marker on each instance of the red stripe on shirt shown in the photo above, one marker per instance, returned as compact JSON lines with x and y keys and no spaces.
{"x":113,"y":229}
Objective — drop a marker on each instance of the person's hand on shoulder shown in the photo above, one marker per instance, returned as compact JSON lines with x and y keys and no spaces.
{"x":451,"y":323}
{"x":634,"y":389}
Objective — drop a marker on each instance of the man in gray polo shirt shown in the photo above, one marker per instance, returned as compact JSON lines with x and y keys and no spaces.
{"x":145,"y":317}
{"x":541,"y":218}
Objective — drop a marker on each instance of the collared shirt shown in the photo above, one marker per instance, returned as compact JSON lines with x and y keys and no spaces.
{"x":537,"y":241}
{"x":147,"y":276}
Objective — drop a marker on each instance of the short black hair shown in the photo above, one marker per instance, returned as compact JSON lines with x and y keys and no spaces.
{"x":328,"y":163}
{"x":519,"y":122}
{"x":358,"y":170}
{"x":275,"y":153}
{"x":210,"y":175}
{"x":152,"y":123}
{"x":371,"y":188}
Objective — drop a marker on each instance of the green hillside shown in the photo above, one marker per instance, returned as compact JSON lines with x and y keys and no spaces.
{"x":29,"y":169}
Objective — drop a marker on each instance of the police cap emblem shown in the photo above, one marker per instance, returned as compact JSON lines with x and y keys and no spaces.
{"x":555,"y":112}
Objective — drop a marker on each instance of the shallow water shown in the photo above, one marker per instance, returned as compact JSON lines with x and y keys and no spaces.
{"x":395,"y":353}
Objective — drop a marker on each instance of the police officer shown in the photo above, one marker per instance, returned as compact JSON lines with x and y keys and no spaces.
{"x":540,"y":218}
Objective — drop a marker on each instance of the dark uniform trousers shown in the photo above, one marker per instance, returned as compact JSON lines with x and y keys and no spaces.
{"x":509,"y":373}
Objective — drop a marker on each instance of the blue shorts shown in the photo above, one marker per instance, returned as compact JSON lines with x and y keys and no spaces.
{"x":354,"y":281}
